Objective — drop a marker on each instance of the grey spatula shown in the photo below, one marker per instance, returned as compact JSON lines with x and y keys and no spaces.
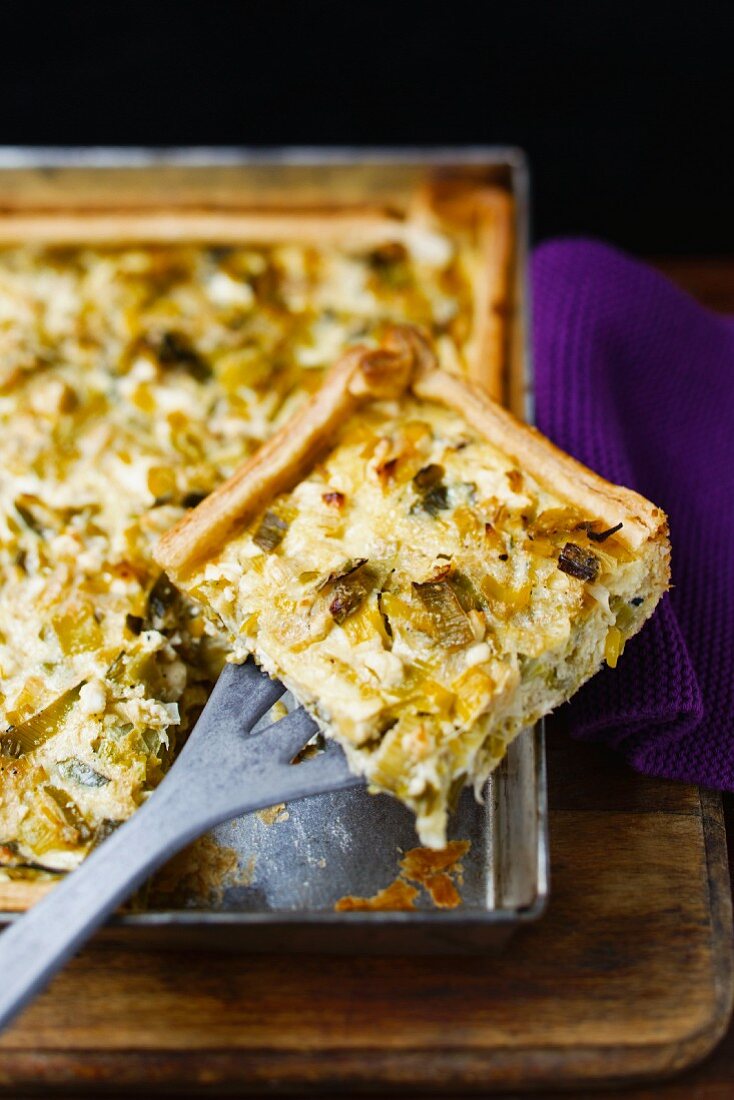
{"x":223,"y":771}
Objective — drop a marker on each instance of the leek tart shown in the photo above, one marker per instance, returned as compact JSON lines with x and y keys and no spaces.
{"x":426,"y":574}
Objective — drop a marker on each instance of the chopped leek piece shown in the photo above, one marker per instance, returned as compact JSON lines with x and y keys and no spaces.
{"x":613,"y":646}
{"x":428,"y":483}
{"x":602,"y":536}
{"x":160,"y":598}
{"x":77,"y":771}
{"x":428,"y":477}
{"x":29,"y":519}
{"x":578,"y":562}
{"x":503,"y":598}
{"x":105,"y":828}
{"x":366,"y":623}
{"x":134,"y":623}
{"x":270,"y":533}
{"x":450,"y":622}
{"x":349,"y":590}
{"x":77,"y":629}
{"x":176,"y":350}
{"x":70,"y":810}
{"x":21,"y":739}
{"x":466,"y":593}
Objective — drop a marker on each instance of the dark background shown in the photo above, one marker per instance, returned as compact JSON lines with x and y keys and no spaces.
{"x":624,"y":108}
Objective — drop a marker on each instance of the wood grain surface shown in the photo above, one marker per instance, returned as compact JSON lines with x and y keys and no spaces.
{"x":628,"y":975}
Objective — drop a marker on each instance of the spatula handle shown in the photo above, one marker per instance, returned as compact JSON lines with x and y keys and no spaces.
{"x":41,"y":941}
{"x":222,"y":772}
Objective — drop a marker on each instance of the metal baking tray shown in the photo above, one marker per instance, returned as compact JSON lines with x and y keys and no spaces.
{"x":294,"y":869}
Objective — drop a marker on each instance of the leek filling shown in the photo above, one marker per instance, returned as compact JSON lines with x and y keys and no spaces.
{"x":449,"y":601}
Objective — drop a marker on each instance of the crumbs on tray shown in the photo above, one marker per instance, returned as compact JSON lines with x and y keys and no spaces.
{"x":437,"y":871}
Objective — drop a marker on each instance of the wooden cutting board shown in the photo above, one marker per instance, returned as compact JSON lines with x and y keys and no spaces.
{"x":628,"y":976}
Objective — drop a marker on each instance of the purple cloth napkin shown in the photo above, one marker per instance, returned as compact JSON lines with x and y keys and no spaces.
{"x":637,"y":380}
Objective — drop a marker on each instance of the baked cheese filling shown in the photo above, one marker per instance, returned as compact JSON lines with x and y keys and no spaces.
{"x":132,"y":381}
{"x":425,"y":599}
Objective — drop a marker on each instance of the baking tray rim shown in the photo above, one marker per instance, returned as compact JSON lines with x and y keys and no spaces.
{"x":215,"y":156}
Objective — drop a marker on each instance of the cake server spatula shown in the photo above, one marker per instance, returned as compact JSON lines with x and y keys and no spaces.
{"x":223,"y":771}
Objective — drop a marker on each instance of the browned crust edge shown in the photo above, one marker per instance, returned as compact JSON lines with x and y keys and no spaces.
{"x":493,"y":297}
{"x":488,"y":214}
{"x":485,"y":216}
{"x":404,"y":362}
{"x":365,"y":226}
{"x":573,"y":481}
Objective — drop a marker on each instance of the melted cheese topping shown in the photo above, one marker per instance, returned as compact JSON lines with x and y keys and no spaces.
{"x":132,"y":381}
{"x":413,"y":591}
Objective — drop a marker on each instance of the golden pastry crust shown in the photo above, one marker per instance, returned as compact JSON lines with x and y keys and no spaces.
{"x":362,"y":228}
{"x":487,"y":214}
{"x":571,"y":479}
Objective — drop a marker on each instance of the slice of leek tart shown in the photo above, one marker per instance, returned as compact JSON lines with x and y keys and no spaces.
{"x":426,"y":574}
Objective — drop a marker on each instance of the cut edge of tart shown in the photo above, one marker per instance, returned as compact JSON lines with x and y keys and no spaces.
{"x":427,"y":575}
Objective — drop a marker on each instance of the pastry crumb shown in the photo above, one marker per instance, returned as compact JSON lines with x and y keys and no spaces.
{"x":437,"y":871}
{"x":399,"y":896}
{"x":273,"y":815}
